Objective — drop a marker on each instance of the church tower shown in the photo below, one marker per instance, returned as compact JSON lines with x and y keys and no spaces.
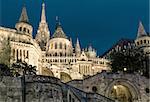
{"x":23,"y":25}
{"x":77,"y":48}
{"x":143,"y":43}
{"x":43,"y":33}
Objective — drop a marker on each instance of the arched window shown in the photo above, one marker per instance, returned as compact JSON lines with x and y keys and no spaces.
{"x":65,"y":46}
{"x":27,"y":54}
{"x":55,"y":54}
{"x":28,"y":31}
{"x":141,"y":42}
{"x":51,"y":46}
{"x":20,"y":29}
{"x":60,"y":54}
{"x":60,"y":45}
{"x":55,"y":45}
{"x":20,"y":54}
{"x":144,"y":41}
{"x":55,"y":60}
{"x":24,"y":29}
{"x":24,"y":54}
{"x":94,"y":89}
{"x":17,"y":54}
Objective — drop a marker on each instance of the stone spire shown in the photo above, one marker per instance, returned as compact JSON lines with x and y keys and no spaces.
{"x":59,"y":33}
{"x":43,"y":33}
{"x":43,"y":17}
{"x":77,"y":48}
{"x":141,"y":30}
{"x":24,"y":16}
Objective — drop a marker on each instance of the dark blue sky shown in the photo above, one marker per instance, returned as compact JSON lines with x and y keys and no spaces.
{"x":100,"y":23}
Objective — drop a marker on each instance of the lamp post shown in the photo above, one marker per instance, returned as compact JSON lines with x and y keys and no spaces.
{"x":124,"y":69}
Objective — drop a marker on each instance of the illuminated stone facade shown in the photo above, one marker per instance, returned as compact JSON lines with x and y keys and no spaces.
{"x":53,"y":55}
{"x":121,"y":87}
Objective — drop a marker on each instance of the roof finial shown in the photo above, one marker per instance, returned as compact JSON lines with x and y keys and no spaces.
{"x":56,"y":18}
{"x":58,"y":24}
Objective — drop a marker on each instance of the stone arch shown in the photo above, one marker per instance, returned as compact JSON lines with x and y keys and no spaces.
{"x":47,"y":72}
{"x":132,"y":88}
{"x":65,"y":77}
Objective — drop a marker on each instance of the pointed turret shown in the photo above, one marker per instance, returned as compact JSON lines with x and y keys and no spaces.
{"x":70,"y":40}
{"x":91,"y":52}
{"x":59,"y":33}
{"x":24,"y":16}
{"x":43,"y":17}
{"x":23,"y":25}
{"x":43,"y":33}
{"x":141,"y":30}
{"x":77,"y":48}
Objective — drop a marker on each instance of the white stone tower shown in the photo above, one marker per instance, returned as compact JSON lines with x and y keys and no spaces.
{"x":143,"y":42}
{"x":43,"y":33}
{"x":23,"y":25}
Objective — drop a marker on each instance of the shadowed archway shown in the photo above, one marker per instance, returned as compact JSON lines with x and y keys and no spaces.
{"x":122,"y":90}
{"x":65,"y":77}
{"x":47,"y":72}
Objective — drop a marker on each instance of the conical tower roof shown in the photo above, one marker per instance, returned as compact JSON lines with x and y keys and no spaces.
{"x":24,"y":16}
{"x":43,"y":16}
{"x":77,"y":46}
{"x":141,"y":30}
{"x":59,"y":33}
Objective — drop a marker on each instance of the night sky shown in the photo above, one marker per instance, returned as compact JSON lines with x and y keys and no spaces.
{"x":100,"y":23}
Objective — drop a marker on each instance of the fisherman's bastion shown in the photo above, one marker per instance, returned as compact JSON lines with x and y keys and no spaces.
{"x":65,"y":71}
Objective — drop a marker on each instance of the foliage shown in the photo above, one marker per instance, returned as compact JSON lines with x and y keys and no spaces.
{"x":5,"y":70}
{"x":22,"y":68}
{"x":129,"y":58}
{"x":5,"y":52}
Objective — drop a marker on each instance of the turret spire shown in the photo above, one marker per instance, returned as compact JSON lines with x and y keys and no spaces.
{"x":24,"y":16}
{"x":58,"y":24}
{"x":141,"y":30}
{"x":77,"y":48}
{"x":43,"y":33}
{"x":43,"y":17}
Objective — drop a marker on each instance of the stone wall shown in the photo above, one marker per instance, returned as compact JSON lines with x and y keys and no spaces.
{"x":104,"y":82}
{"x":10,"y":89}
{"x":42,"y":89}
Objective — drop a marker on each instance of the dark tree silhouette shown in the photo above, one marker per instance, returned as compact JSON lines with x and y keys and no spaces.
{"x":5,"y":70}
{"x":22,"y":68}
{"x":131,"y":59}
